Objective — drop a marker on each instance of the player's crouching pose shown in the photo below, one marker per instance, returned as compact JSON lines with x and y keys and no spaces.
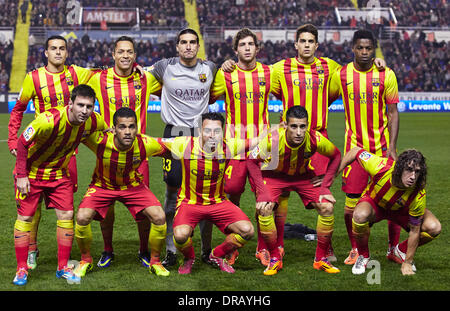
{"x":43,"y":154}
{"x":287,"y":168}
{"x":396,"y":193}
{"x":117,"y":178}
{"x":202,"y":195}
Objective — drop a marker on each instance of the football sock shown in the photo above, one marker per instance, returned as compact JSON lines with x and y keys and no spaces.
{"x":206,"y":235}
{"x":261,"y":244}
{"x":21,"y":242}
{"x":280,"y":215}
{"x":156,"y":240}
{"x":232,"y":242}
{"x":350,"y":204}
{"x":107,"y":227}
{"x":83,"y":235}
{"x":144,"y":232}
{"x":393,"y":233}
{"x":186,"y":248}
{"x":424,"y":239}
{"x":34,"y":229}
{"x":269,"y":234}
{"x":169,"y":208}
{"x":361,"y":234}
{"x":64,"y":238}
{"x":325,"y":228}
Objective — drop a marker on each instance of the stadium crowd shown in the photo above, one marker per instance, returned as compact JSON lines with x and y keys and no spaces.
{"x":420,"y":65}
{"x":252,"y":13}
{"x":95,"y":54}
{"x":268,"y":13}
{"x":402,"y":53}
{"x":9,"y":13}
{"x":53,"y":13}
{"x":6,"y":51}
{"x":433,"y":13}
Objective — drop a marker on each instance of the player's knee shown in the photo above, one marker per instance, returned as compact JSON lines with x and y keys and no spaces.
{"x":64,"y":215}
{"x":246,"y":230}
{"x":181,"y":234}
{"x":360,"y":216}
{"x":158,"y":217}
{"x":25,"y":218}
{"x":325,"y":209}
{"x":433,"y":228}
{"x":83,"y":217}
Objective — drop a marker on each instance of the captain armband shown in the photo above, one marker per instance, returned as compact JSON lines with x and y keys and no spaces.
{"x":415,"y":220}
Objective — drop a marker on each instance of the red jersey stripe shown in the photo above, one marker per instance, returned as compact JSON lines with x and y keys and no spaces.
{"x":369,"y":104}
{"x":37,"y":87}
{"x":49,"y":142}
{"x":103,"y":84}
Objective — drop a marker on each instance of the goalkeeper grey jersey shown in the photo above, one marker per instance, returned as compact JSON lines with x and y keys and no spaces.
{"x":185,"y":91}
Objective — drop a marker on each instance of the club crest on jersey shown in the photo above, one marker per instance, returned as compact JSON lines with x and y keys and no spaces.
{"x":137,"y":84}
{"x":261,"y":81}
{"x":320,"y":69}
{"x":401,"y":202}
{"x":202,"y":77}
{"x":375,"y":82}
{"x":28,"y":133}
{"x":136,"y":160}
{"x":365,"y":156}
{"x":69,"y":81}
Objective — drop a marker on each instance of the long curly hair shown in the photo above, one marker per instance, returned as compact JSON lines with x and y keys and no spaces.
{"x":408,"y":158}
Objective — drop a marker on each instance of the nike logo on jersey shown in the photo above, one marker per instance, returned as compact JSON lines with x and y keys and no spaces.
{"x":108,"y":87}
{"x":233,"y":82}
{"x":349,"y":83}
{"x":42,"y":87}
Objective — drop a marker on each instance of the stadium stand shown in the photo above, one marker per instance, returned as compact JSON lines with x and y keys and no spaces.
{"x":432,"y":13}
{"x":9,"y":13}
{"x":268,"y":13}
{"x":420,"y":65}
{"x":96,"y":54}
{"x":413,"y":56}
{"x":152,"y":13}
{"x":6,"y":51}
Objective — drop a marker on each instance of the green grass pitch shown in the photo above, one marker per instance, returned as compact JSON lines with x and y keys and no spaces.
{"x":428,"y":132}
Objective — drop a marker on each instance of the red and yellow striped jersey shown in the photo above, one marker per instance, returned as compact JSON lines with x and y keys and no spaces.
{"x":280,"y":157}
{"x":246,"y":100}
{"x":202,"y":178}
{"x":47,"y":90}
{"x":383,"y":192}
{"x":115,"y":169}
{"x":365,"y":96}
{"x":305,"y":85}
{"x":114,"y":91}
{"x":51,"y":141}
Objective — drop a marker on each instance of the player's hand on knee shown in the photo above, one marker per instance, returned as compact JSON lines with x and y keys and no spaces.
{"x":23,"y":185}
{"x":264,"y":208}
{"x":325,"y":198}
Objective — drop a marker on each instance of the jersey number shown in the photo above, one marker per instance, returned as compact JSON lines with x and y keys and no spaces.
{"x":346,"y":171}
{"x":167,"y":165}
{"x":228,"y":171}
{"x":20,"y":196}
